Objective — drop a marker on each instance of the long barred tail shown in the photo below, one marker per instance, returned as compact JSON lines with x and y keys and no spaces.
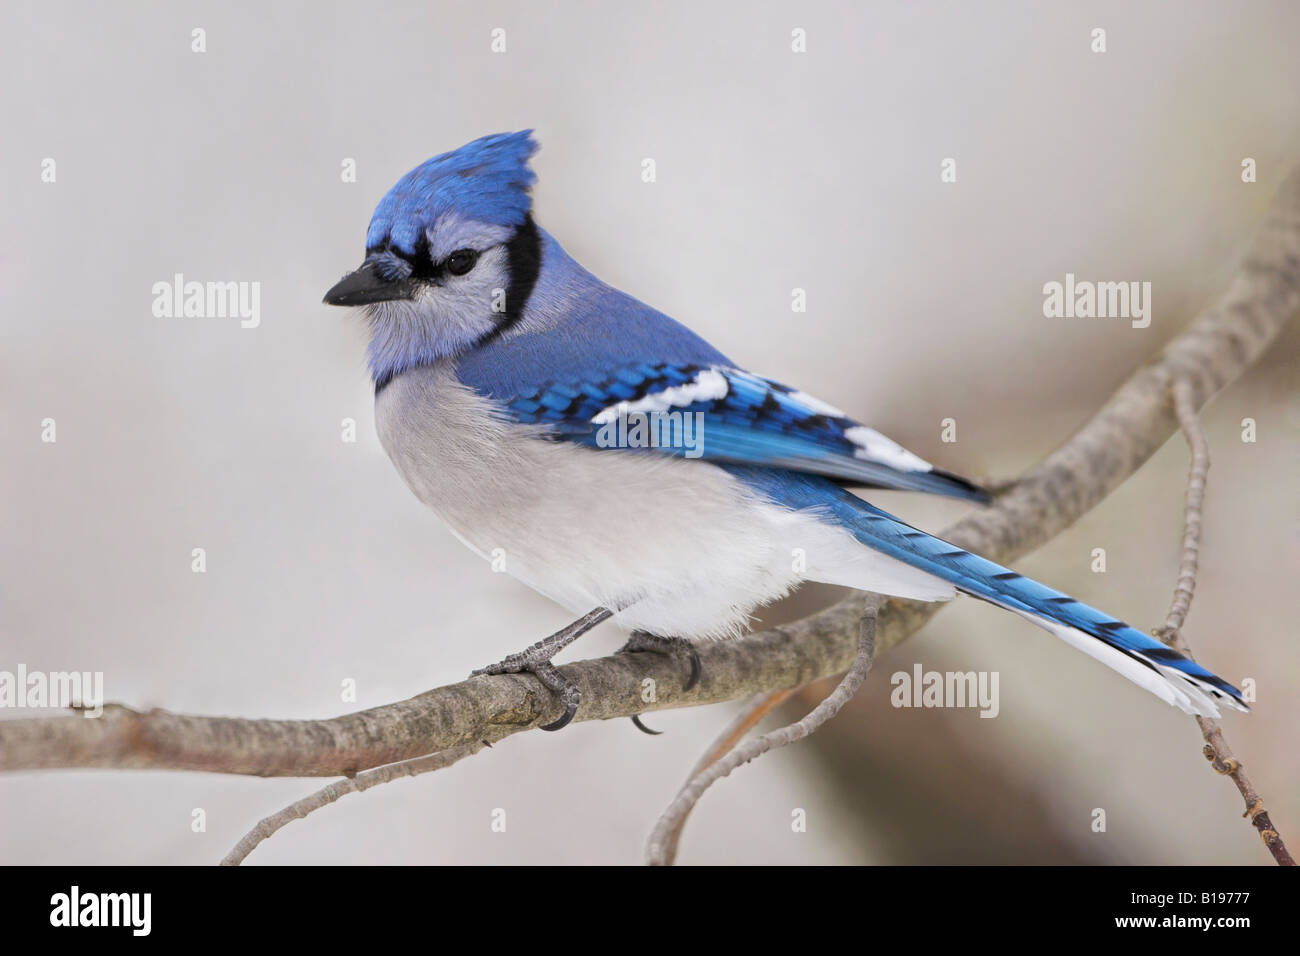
{"x":1142,"y":659}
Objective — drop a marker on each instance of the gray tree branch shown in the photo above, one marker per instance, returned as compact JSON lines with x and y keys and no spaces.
{"x":661,"y":847}
{"x":1210,"y":353}
{"x":725,"y":743}
{"x":1216,"y":748}
{"x":358,"y":783}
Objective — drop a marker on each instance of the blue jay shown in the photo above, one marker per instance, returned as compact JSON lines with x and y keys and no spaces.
{"x":499,"y":363}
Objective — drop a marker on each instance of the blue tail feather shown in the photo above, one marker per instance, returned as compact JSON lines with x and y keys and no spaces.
{"x":983,"y":578}
{"x":1145,"y":660}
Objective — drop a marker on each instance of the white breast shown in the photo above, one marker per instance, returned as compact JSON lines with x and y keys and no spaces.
{"x":681,"y":546}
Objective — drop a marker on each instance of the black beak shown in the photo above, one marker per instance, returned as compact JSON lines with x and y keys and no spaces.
{"x":366,"y":285}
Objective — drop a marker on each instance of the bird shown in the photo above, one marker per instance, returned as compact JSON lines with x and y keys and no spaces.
{"x":514,"y":392}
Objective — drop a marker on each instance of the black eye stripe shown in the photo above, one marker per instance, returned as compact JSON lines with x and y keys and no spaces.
{"x":457,"y":263}
{"x":421,"y":265}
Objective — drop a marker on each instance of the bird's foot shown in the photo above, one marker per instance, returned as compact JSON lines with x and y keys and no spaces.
{"x":536,"y":660}
{"x":548,"y":674}
{"x":671,"y":646}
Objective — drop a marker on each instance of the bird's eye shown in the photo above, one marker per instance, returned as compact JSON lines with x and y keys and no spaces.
{"x":461,"y":261}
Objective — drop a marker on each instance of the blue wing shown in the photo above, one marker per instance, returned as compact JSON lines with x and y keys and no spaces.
{"x":736,"y":417}
{"x":592,"y":354}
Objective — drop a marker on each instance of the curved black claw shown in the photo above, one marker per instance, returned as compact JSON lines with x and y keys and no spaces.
{"x":536,"y":660}
{"x":561,"y":687}
{"x":672,"y":646}
{"x":550,"y":678}
{"x":569,"y":711}
{"x":696,"y":669}
{"x":636,"y":720}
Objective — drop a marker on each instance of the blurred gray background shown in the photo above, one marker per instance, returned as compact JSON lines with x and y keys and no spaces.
{"x":775,"y":170}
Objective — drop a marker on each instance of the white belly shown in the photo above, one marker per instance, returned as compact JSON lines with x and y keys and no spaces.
{"x":678,"y":547}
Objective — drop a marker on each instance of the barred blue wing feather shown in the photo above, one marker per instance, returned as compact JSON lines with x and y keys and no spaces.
{"x":746,"y":419}
{"x":1141,"y":658}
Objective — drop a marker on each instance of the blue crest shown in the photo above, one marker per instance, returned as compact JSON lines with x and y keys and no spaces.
{"x":486,"y":180}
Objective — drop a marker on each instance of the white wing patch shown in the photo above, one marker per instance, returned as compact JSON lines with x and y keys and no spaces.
{"x":708,"y":385}
{"x":711,"y":384}
{"x":873,"y":446}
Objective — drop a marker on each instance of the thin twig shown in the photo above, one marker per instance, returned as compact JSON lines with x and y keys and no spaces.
{"x":1185,"y":408}
{"x":662,"y":843}
{"x":323,"y":797}
{"x":732,"y":734}
{"x":1216,"y":748}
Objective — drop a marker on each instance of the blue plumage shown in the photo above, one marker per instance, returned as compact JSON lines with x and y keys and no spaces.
{"x":974,"y":575}
{"x":486,"y":180}
{"x":580,"y":329}
{"x":755,"y":421}
{"x":483,"y":328}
